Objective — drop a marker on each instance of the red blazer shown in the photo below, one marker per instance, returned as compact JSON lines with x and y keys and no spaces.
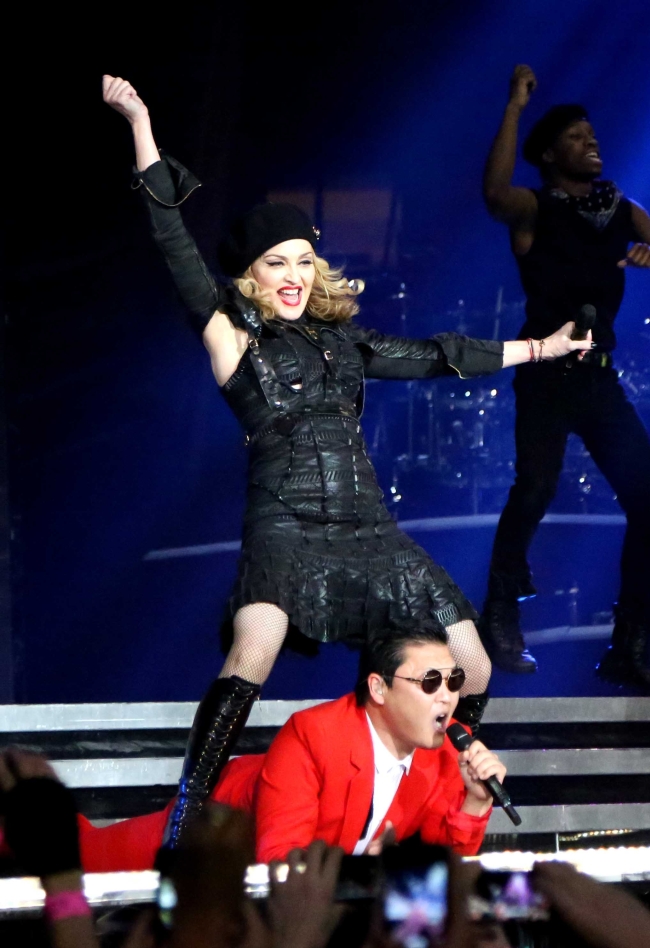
{"x":315,"y":782}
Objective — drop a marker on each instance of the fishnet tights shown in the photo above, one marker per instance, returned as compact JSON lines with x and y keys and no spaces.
{"x":468,"y":652}
{"x":259,"y":631}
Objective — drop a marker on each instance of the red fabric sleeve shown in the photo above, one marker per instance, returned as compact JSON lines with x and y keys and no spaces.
{"x":447,"y":825}
{"x":288,"y":790}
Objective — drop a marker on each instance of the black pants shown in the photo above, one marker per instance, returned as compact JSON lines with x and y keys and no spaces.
{"x":554,"y":399}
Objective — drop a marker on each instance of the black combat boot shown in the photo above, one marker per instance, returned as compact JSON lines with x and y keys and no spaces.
{"x":625,"y":661}
{"x":501,"y":635}
{"x":470,"y":710}
{"x":218,"y":722}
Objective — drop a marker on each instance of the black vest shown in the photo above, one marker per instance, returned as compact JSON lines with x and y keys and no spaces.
{"x":573,"y":262}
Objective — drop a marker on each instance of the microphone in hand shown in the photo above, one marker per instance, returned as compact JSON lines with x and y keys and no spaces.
{"x":584,"y":321}
{"x":461,"y":741}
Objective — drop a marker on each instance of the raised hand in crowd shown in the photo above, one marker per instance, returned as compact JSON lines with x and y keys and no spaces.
{"x":40,"y":828}
{"x":207,"y":873}
{"x":603,"y":915}
{"x":302,"y":911}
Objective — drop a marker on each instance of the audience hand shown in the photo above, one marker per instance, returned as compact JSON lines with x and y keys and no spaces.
{"x":40,"y":816}
{"x":302,"y":909}
{"x":40,"y":825}
{"x":604,"y":915}
{"x":18,"y":765}
{"x":207,"y":871}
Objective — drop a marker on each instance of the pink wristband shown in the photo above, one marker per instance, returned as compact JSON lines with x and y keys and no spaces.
{"x":65,"y":905}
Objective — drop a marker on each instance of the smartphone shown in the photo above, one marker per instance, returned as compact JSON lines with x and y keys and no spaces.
{"x":166,"y":901}
{"x":506,"y":897}
{"x":359,"y":878}
{"x":416,"y":883}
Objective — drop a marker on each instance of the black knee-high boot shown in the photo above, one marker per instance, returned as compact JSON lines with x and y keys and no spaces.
{"x":470,"y":710}
{"x":218,"y":722}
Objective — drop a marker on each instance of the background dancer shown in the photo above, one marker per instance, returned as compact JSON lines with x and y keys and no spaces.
{"x":570,"y":239}
{"x":320,"y":550}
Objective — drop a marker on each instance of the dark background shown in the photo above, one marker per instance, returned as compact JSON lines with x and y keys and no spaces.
{"x":119,"y":443}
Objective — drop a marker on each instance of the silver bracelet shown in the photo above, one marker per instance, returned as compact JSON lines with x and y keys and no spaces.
{"x":541,"y":350}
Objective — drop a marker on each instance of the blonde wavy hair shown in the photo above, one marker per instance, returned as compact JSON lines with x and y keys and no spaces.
{"x":332,"y":297}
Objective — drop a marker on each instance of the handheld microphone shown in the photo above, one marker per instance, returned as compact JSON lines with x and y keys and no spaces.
{"x":461,"y":741}
{"x":584,"y":321}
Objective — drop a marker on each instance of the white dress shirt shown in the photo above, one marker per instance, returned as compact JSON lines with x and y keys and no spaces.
{"x":388,"y":774}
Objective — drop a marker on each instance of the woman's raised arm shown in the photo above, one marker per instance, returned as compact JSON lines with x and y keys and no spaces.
{"x":121,"y":96}
{"x":164,"y":185}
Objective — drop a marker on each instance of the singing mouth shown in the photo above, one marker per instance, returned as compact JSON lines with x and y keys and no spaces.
{"x":441,"y":722}
{"x":291,"y":295}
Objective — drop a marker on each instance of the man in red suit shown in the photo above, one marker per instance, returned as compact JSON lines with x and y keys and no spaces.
{"x":348,"y":771}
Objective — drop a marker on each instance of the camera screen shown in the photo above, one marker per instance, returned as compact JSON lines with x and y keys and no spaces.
{"x":415,"y":904}
{"x":507,"y":896}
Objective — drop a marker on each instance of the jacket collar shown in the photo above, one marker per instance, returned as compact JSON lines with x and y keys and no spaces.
{"x":362,"y":780}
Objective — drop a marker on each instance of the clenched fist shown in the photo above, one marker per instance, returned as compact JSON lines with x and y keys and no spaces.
{"x":522,"y":84}
{"x":121,"y":96}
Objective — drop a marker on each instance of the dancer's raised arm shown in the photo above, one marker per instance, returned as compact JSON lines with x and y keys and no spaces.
{"x":165,"y":185}
{"x":515,"y":206}
{"x":121,"y":96}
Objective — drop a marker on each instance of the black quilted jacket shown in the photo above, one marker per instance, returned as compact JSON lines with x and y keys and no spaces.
{"x":298,"y":390}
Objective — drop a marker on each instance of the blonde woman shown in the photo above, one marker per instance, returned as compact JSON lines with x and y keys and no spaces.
{"x":320,"y":551}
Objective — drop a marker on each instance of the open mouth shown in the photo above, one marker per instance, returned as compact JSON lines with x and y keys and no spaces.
{"x":440,"y":723}
{"x":290,"y":295}
{"x":593,"y":154}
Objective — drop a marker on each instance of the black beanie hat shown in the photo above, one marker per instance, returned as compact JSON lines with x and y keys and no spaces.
{"x":545,"y":132}
{"x":258,"y":230}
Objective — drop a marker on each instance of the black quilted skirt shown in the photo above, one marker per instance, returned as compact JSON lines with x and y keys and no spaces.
{"x":341,"y":581}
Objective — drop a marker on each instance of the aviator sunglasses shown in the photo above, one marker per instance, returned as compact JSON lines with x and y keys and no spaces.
{"x":433,"y":679}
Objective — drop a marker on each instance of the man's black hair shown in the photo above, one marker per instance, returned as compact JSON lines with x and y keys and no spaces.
{"x":546,"y":131}
{"x":384,"y":653}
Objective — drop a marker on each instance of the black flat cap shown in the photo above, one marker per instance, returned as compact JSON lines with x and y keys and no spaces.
{"x":258,"y":230}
